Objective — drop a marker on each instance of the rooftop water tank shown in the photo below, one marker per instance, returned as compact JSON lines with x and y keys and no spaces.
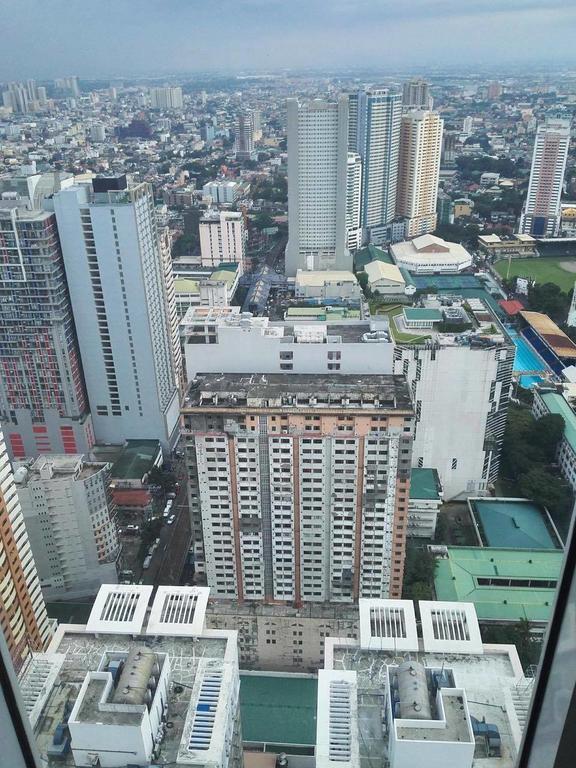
{"x":413,"y":692}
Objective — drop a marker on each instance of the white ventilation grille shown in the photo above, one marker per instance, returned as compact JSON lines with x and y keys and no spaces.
{"x":450,"y":627}
{"x":119,"y":608}
{"x":339,"y":724}
{"x":206,"y":708}
{"x":388,"y":625}
{"x":178,"y":611}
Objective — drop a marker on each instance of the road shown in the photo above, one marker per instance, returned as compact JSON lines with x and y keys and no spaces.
{"x":170,"y":555}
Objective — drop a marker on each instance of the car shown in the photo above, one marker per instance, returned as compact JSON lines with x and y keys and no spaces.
{"x":170,"y":519}
{"x":171,"y":496}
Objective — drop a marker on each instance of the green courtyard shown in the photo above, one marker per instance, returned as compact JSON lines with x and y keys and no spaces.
{"x":561,"y":271}
{"x":392,"y":310}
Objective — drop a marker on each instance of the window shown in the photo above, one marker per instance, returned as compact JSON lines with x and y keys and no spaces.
{"x":454,"y":463}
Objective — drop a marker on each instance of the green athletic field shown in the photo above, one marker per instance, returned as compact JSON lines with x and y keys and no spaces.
{"x":542,"y":270}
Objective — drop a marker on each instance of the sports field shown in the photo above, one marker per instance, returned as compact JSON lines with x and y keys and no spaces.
{"x":562,"y":272}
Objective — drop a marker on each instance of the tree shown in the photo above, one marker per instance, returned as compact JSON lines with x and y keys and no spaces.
{"x":150,"y":531}
{"x":166,"y":480}
{"x":263,"y":221}
{"x":517,"y":634}
{"x":547,"y":433}
{"x":546,"y":488}
{"x":419,"y":568}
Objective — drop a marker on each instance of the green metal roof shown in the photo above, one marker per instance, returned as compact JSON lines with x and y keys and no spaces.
{"x":418,"y":313}
{"x":136,"y":459}
{"x":424,"y":484}
{"x":456,"y":578}
{"x":370,"y":253}
{"x":278,"y":709}
{"x":514,"y":523}
{"x":407,"y":276}
{"x":557,"y":404}
{"x":225,"y":275}
{"x":186,"y":285}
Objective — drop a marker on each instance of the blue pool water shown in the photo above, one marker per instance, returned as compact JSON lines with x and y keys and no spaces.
{"x":526,"y":359}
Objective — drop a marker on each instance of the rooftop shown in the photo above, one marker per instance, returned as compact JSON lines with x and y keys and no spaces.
{"x":514,"y":524}
{"x":352,"y":391}
{"x":558,"y":404}
{"x":556,"y":339}
{"x":503,"y":584}
{"x":370,"y":253}
{"x":381,"y":270}
{"x":320,"y":278}
{"x":136,"y":459}
{"x":278,"y":709}
{"x":425,"y":484}
{"x":418,"y":313}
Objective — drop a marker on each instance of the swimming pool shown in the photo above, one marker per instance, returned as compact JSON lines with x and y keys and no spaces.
{"x":527,"y":359}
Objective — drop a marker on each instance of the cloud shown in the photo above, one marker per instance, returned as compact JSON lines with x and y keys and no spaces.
{"x":48,"y":38}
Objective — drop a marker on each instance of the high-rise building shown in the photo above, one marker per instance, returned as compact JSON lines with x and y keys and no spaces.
{"x":374,"y":133}
{"x":419,"y":171}
{"x":68,"y":511}
{"x":68,"y":85}
{"x":244,"y":136}
{"x":317,"y":185}
{"x":256,"y":124}
{"x":453,"y":385}
{"x":166,"y":98}
{"x":222,"y":238}
{"x":542,"y":213}
{"x":353,"y":202}
{"x":165,"y":243}
{"x":416,"y":95}
{"x":115,"y":274}
{"x":43,"y":404}
{"x":449,"y":141}
{"x":17,"y":97}
{"x":468,"y":126}
{"x":444,"y":208}
{"x":299,"y":484}
{"x":23,"y":618}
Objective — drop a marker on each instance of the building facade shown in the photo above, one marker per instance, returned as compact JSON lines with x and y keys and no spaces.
{"x":115,"y":273}
{"x":353,"y":202}
{"x":43,"y":403}
{"x":166,"y":98}
{"x":374,"y":133}
{"x":419,"y":171}
{"x":299,"y":484}
{"x":23,"y":618}
{"x":541,"y":215}
{"x":317,"y":185}
{"x":244,"y":136}
{"x":222,"y":238}
{"x":416,"y":95}
{"x":69,"y":518}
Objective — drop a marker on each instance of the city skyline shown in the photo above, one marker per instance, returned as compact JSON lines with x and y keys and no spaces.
{"x":177,"y":36}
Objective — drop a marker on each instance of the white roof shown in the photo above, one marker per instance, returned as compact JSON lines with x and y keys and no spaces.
{"x":119,"y":609}
{"x":410,"y":252}
{"x":178,"y":611}
{"x":319,"y":278}
{"x":450,"y":627}
{"x":381,"y":270}
{"x":491,"y":238}
{"x":387,"y":625}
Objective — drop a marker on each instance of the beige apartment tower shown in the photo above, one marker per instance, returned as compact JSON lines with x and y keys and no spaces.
{"x":23,"y":618}
{"x":299,"y":484}
{"x":419,"y":170}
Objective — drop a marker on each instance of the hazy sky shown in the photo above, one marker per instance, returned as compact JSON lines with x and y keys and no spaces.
{"x":91,"y":38}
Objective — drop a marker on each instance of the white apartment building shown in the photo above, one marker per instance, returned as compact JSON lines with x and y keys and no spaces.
{"x":221,"y":192}
{"x":419,"y":171}
{"x":170,"y":298}
{"x":299,"y":484}
{"x":441,"y":700}
{"x":354,"y":202}
{"x":317,"y":185}
{"x":222,"y":238}
{"x":425,"y":501}
{"x":244,"y":136}
{"x":166,"y":98}
{"x":69,"y":517}
{"x":416,"y":95}
{"x":542,"y":213}
{"x":461,"y":389}
{"x":374,"y":133}
{"x":218,"y":341}
{"x":23,"y":618}
{"x":116,"y":276}
{"x":138,"y":685}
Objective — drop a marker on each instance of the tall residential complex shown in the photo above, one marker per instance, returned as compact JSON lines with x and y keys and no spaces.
{"x":68,"y":511}
{"x":419,"y":171}
{"x":166,"y":98}
{"x":461,"y":393}
{"x":317,"y":176}
{"x":416,"y":95}
{"x":115,"y":276}
{"x":541,"y":214}
{"x":244,"y":136}
{"x":23,"y":619}
{"x":374,"y":133}
{"x":222,"y":238}
{"x":299,"y":484}
{"x":43,"y":404}
{"x":354,"y":202}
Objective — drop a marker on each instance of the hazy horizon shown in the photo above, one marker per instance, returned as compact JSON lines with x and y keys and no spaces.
{"x":138,"y":38}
